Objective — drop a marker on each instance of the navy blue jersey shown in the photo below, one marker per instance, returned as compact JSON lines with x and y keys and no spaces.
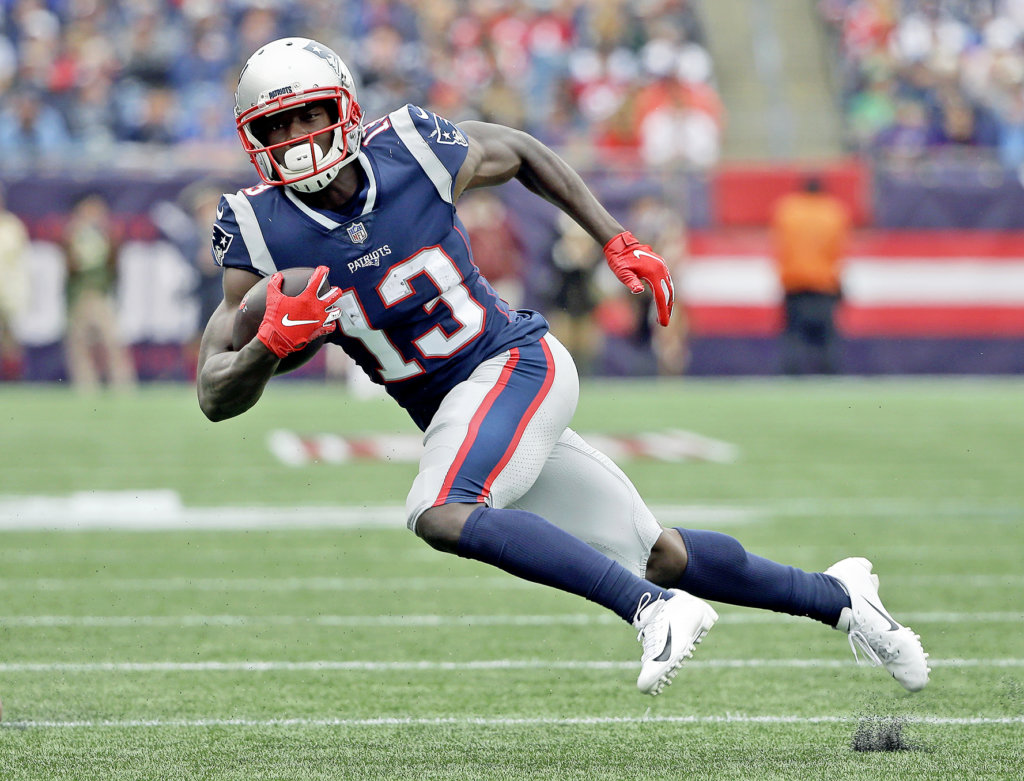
{"x":417,"y":315}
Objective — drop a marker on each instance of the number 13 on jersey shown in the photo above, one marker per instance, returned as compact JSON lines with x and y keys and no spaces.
{"x":395,"y":288}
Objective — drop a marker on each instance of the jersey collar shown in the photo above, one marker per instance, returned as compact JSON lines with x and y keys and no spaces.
{"x":368,"y":194}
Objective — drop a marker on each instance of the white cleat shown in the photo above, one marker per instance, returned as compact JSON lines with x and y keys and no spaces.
{"x":669,"y":631}
{"x":884,"y":641}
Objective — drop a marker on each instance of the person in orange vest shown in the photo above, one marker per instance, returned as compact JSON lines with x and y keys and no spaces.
{"x":810,"y":231}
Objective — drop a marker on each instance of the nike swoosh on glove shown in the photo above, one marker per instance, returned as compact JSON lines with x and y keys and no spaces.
{"x":292,"y":322}
{"x":632,"y":262}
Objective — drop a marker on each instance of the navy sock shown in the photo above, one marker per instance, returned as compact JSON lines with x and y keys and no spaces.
{"x":527,"y":546}
{"x":720,"y":569}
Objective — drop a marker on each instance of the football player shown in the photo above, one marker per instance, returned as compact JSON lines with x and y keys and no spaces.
{"x":503,"y":478}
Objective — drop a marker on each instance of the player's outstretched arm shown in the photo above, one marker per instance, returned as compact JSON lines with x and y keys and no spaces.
{"x":229,"y":382}
{"x":497,"y":154}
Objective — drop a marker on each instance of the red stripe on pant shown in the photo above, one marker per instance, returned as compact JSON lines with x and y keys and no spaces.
{"x":549,"y":378}
{"x":474,"y":425}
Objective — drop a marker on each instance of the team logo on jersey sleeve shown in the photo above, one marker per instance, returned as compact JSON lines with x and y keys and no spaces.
{"x":357,"y":233}
{"x":221,"y":242}
{"x":446,"y":132}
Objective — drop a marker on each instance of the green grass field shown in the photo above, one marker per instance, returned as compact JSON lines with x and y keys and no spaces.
{"x":356,"y":652}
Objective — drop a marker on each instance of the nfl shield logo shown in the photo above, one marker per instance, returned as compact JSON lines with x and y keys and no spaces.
{"x":357,"y":233}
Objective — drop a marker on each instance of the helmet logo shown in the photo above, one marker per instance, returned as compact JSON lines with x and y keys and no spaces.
{"x":274,"y":93}
{"x":330,"y":57}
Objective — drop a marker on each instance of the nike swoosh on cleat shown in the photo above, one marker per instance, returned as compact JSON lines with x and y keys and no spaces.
{"x":288,"y":321}
{"x":666,"y":652}
{"x":892,"y":624}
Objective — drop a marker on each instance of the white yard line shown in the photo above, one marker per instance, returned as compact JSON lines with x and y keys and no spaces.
{"x":163,"y":510}
{"x":429,"y":666}
{"x":182,"y":583}
{"x":146,"y":511}
{"x":475,"y":721}
{"x":572,"y":619}
{"x":262,"y":584}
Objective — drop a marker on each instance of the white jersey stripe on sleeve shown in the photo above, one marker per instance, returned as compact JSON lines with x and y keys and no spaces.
{"x":249,"y":228}
{"x":371,"y":192}
{"x":402,"y":122}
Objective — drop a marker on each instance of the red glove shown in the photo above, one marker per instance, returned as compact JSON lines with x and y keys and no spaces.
{"x":292,"y":322}
{"x":632,"y":261}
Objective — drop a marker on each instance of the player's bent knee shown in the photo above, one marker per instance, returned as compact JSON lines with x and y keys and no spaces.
{"x":668,"y":559}
{"x":441,"y":526}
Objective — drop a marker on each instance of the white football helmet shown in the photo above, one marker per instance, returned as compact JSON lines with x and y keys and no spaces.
{"x":292,"y":72}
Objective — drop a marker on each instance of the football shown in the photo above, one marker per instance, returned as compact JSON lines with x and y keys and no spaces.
{"x":250,"y":315}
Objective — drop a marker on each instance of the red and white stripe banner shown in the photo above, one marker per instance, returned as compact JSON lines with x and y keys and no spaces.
{"x":938,"y":284}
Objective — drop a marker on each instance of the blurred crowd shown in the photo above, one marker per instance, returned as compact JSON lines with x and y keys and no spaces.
{"x":107,"y":82}
{"x":920,"y":76}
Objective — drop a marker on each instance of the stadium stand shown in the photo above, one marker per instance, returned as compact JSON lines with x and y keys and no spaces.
{"x":912,"y":111}
{"x":924,"y":75}
{"x":108,"y":81}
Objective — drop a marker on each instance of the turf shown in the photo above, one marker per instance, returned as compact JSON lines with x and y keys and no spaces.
{"x":357,"y":652}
